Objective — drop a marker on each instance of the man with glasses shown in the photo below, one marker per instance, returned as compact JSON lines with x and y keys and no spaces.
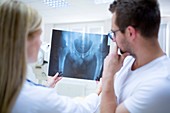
{"x":138,"y":80}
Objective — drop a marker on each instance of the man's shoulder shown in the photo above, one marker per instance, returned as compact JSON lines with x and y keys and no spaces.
{"x":164,"y":64}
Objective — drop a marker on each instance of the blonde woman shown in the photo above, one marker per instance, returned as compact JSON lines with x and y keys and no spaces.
{"x":20,"y":29}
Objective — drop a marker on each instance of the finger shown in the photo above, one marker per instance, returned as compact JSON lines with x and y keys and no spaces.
{"x":58,"y":79}
{"x":101,"y":79}
{"x":55,"y":76}
{"x":116,"y":48}
{"x":113,"y":47}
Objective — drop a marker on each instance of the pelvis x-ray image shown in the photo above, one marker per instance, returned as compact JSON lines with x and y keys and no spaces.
{"x":77,"y":55}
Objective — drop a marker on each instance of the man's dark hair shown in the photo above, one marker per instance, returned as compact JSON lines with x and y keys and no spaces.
{"x":144,"y":15}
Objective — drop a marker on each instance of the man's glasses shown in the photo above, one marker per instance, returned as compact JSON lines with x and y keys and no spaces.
{"x":112,"y":34}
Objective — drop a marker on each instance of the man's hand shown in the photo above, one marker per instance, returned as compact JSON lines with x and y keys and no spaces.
{"x":113,"y":62}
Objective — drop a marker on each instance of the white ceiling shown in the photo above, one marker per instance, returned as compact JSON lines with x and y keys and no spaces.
{"x":81,"y":11}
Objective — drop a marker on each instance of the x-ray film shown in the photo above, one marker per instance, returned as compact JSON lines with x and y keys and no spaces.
{"x":78,"y":55}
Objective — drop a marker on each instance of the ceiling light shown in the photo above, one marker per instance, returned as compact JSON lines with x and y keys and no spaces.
{"x":102,"y":1}
{"x":56,"y":3}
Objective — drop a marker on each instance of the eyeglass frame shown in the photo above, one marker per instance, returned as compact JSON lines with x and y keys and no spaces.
{"x":112,"y":34}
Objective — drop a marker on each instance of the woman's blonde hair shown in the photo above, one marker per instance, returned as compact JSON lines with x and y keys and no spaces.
{"x":17,"y":22}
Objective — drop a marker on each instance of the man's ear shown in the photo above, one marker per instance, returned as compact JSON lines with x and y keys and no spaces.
{"x":131,"y":32}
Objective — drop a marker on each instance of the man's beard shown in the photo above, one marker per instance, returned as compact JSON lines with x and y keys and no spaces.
{"x":130,"y":53}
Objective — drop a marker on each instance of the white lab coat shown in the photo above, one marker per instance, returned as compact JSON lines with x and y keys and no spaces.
{"x":38,"y":99}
